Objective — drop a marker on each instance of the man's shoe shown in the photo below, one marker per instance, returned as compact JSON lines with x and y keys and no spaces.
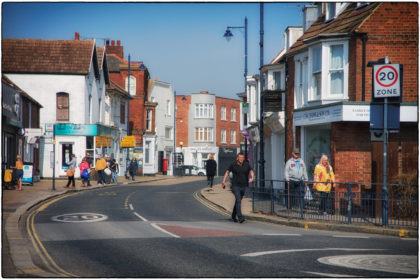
{"x":241,"y":220}
{"x":235,"y":220}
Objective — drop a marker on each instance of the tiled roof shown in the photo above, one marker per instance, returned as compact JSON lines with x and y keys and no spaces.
{"x":47,"y":56}
{"x":113,"y":63}
{"x":346,"y":23}
{"x":114,"y":88}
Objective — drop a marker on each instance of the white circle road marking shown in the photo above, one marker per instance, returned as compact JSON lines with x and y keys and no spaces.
{"x":79,"y":218}
{"x":388,"y":263}
{"x":257,"y":254}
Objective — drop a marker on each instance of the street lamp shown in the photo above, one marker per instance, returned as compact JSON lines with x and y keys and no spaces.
{"x":228,"y":35}
{"x":262,"y":161}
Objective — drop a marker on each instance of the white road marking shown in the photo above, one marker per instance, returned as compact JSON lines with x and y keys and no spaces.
{"x":162,"y":230}
{"x":257,"y":254}
{"x":131,"y":206}
{"x":331,"y":274}
{"x":282,"y":234}
{"x":141,"y":217}
{"x":350,"y":236}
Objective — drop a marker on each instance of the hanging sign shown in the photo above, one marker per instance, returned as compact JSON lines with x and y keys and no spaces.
{"x":386,"y":80}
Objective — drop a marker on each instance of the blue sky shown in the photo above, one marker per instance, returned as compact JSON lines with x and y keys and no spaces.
{"x":180,"y":43}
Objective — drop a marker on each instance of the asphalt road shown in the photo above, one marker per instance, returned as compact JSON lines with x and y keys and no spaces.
{"x":163,"y":231}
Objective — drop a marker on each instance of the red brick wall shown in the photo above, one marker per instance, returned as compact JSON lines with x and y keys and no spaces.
{"x":290,"y":101}
{"x":392,"y":31}
{"x":182,"y":119}
{"x":227,"y":124}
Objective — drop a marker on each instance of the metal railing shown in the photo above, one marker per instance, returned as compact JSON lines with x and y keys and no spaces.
{"x":350,"y":202}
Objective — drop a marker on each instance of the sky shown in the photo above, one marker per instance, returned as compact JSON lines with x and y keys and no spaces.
{"x":180,"y":43}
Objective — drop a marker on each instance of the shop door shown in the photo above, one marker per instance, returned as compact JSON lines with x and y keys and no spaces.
{"x":66,"y":152}
{"x":316,"y":143}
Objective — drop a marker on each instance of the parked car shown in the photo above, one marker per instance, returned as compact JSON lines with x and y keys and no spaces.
{"x":192,"y":170}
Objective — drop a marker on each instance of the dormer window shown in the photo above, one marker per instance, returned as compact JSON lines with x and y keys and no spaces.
{"x":334,"y":9}
{"x":361,"y":5}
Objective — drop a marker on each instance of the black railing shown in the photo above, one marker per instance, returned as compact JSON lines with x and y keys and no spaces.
{"x":351,"y":203}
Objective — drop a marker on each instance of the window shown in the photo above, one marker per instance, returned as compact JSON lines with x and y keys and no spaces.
{"x":336,"y":71}
{"x":233,"y":114}
{"x":168,"y":107}
{"x":204,"y":110}
{"x":330,"y":11}
{"x":62,"y":106}
{"x":223,"y":113}
{"x":276,"y":80}
{"x":316,"y":72}
{"x":132,"y":84}
{"x":223,"y":136}
{"x":168,"y":133}
{"x":122,"y":112}
{"x":149,"y":120}
{"x":147,"y":157}
{"x":233,"y":136}
{"x":204,"y":134}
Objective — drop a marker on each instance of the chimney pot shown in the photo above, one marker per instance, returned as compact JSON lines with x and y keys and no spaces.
{"x":107,"y":42}
{"x":112,"y":43}
{"x":118,"y":42}
{"x":76,"y":36}
{"x":204,"y":92}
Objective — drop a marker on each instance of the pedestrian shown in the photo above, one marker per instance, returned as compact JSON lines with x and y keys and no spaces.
{"x":18,"y":174}
{"x":242,"y":175}
{"x":133,"y":168}
{"x":323,"y":176}
{"x":115,"y":170}
{"x":100,"y":167}
{"x":108,"y":172}
{"x":84,"y":172}
{"x":211,"y":167}
{"x":70,"y":171}
{"x":90,"y":162}
{"x":296,"y":177}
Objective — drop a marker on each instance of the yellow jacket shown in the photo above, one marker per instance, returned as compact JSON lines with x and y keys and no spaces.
{"x":100,"y":164}
{"x":322,"y":175}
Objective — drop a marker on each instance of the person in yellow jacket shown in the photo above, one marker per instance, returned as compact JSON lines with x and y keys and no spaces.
{"x":323,"y":177}
{"x":18,"y":172}
{"x":100,"y":167}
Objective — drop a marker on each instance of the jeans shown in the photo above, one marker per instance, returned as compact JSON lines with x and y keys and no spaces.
{"x":71,"y":180}
{"x":101,"y":177}
{"x":324,"y":205}
{"x":297,"y":192}
{"x":239,"y":193}
{"x":210,"y":179}
{"x":114,"y":177}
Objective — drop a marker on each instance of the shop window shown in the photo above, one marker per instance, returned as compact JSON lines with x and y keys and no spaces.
{"x":63,"y":106}
{"x":317,"y":143}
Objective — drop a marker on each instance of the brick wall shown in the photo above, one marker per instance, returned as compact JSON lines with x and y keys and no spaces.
{"x":227,"y":124}
{"x":290,"y":101}
{"x":183,"y":104}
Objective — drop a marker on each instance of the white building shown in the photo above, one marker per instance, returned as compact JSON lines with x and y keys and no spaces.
{"x":162,"y":93}
{"x":68,"y":78}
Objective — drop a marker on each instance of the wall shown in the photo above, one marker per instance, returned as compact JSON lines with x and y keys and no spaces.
{"x":183,"y":104}
{"x":193,"y":122}
{"x":227,"y":124}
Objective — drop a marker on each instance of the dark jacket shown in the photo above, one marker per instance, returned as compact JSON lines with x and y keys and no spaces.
{"x":133,"y":167}
{"x":211,"y":167}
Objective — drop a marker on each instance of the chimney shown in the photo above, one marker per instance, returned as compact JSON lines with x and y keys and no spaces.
{"x":107,"y":42}
{"x":118,"y":42}
{"x":112,"y":42}
{"x":115,"y":49}
{"x":310,"y":15}
{"x":204,"y":92}
{"x":76,"y":36}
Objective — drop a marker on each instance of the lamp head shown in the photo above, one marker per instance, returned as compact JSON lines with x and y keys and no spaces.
{"x":228,"y":35}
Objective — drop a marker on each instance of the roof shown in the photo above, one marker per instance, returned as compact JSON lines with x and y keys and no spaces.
{"x":47,"y":56}
{"x":8,"y":82}
{"x":114,"y":88}
{"x":346,"y":23}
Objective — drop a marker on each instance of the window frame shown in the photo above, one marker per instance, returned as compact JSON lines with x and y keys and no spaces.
{"x":204,"y":111}
{"x":233,"y":136}
{"x":223,"y":136}
{"x":203,"y":134}
{"x":223,"y":113}
{"x":233,"y":114}
{"x":58,"y":108}
{"x":149,"y":116}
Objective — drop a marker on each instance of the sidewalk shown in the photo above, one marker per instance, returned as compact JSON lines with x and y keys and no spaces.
{"x":224,"y":200}
{"x":16,"y":259}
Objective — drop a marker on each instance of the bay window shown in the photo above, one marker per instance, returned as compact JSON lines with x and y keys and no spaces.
{"x":316,"y":72}
{"x":336,"y":71}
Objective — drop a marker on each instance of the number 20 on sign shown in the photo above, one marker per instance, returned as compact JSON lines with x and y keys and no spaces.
{"x":386,"y":80}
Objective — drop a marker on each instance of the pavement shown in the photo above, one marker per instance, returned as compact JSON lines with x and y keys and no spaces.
{"x":16,"y":258}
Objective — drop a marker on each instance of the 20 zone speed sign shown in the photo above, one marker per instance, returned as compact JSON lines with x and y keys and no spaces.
{"x":386,"y":80}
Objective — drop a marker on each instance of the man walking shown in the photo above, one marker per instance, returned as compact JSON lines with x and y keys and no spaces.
{"x":100,"y":167}
{"x":211,"y":167}
{"x":295,"y":174}
{"x":242,"y":176}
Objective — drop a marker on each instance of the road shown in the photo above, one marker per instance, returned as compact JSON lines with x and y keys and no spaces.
{"x":159,"y":230}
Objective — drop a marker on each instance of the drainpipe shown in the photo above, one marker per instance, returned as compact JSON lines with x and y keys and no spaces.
{"x":364,"y":39}
{"x":285,"y":109}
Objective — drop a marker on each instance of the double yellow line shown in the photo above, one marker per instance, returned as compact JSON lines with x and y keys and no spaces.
{"x":39,"y":247}
{"x":210,"y":205}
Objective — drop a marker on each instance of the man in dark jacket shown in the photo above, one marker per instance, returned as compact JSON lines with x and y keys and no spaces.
{"x":210,"y":171}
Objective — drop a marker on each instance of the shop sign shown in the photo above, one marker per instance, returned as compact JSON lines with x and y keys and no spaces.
{"x":76,"y":129}
{"x":127,"y":141}
{"x":49,"y":129}
{"x":272,"y":101}
{"x":387,"y":80}
{"x":318,"y":116}
{"x":33,"y":132}
{"x":27,"y":174}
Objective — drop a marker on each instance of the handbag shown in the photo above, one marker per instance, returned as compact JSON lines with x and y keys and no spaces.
{"x":85,"y":174}
{"x":70,"y":172}
{"x":308,"y":194}
{"x":107,"y":171}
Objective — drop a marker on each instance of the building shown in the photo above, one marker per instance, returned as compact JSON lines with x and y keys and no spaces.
{"x":163,"y":94}
{"x":20,"y":123}
{"x":134,"y":77}
{"x":329,"y":90}
{"x":67,"y":80}
{"x":207,"y":125}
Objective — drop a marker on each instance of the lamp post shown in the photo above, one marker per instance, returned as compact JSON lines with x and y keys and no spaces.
{"x":228,"y":35}
{"x":261,"y":161}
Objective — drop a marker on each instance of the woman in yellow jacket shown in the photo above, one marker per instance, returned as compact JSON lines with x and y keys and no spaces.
{"x":323,"y":176}
{"x":18,"y":172}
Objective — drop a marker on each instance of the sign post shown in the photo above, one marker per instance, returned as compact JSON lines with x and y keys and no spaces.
{"x":386,"y":84}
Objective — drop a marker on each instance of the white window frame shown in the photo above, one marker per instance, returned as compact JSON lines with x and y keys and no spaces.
{"x":149,"y":116}
{"x":233,"y":136}
{"x":313,"y":95}
{"x":223,"y":113}
{"x":203,"y":134}
{"x":276,"y":85}
{"x":233,"y":114}
{"x":168,"y":132}
{"x":168,"y":108}
{"x":223,"y":136}
{"x":203,"y":111}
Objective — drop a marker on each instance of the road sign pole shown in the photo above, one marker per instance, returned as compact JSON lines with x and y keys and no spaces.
{"x":384,"y":186}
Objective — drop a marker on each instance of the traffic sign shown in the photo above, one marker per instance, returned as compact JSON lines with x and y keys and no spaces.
{"x":387,"y":80}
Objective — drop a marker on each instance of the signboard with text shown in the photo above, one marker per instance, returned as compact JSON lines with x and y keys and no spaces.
{"x":387,"y":79}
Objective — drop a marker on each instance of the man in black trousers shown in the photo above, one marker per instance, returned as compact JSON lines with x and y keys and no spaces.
{"x":242,"y":176}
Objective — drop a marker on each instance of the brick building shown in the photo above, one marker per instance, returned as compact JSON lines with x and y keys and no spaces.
{"x":207,"y":125}
{"x":329,"y":90}
{"x":141,"y":111}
